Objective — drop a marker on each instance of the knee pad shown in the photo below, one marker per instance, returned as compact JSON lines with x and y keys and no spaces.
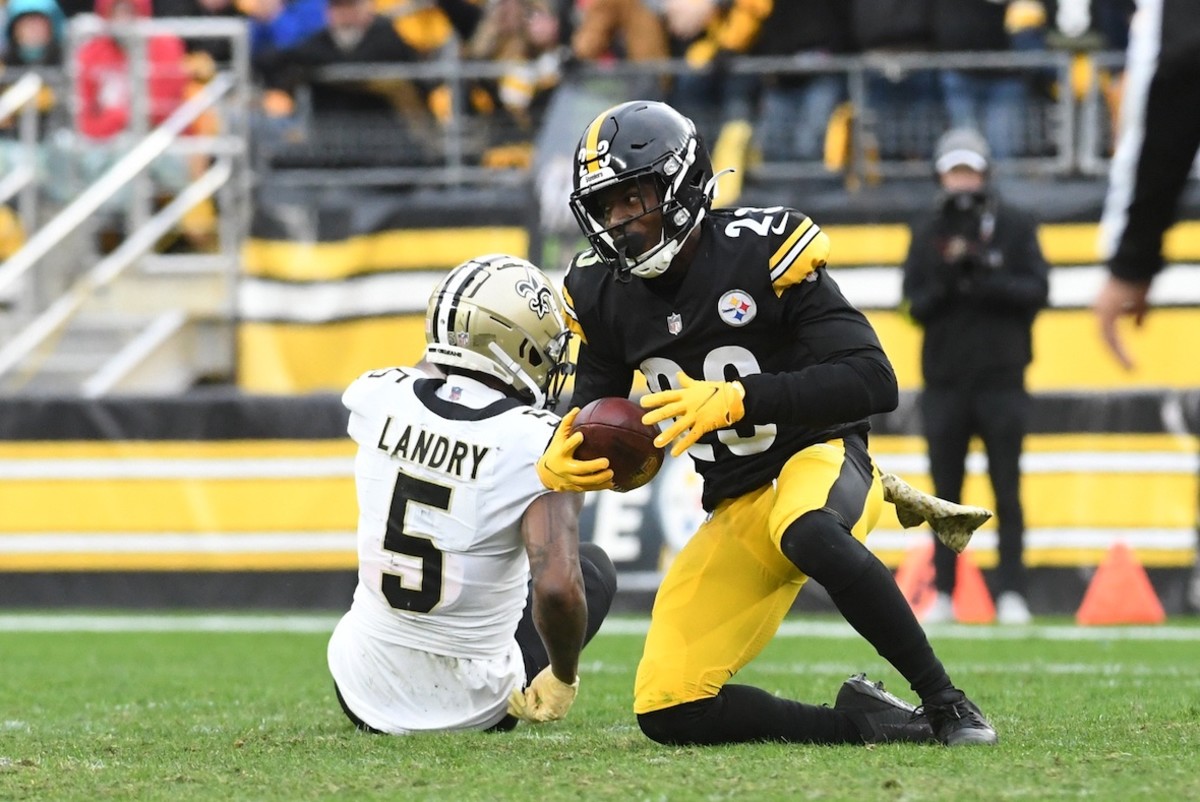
{"x":819,"y":543}
{"x":678,"y":725}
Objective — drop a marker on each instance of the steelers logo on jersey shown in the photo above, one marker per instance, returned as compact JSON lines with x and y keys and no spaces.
{"x":737,"y":308}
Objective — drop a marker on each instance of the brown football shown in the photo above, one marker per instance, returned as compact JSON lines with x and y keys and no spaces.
{"x":613,"y":428}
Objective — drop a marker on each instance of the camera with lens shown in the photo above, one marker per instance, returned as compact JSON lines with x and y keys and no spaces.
{"x":968,"y":223}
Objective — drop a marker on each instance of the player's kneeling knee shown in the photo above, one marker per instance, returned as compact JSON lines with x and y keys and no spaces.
{"x":820,"y":544}
{"x":591,"y":555}
{"x":677,"y":726}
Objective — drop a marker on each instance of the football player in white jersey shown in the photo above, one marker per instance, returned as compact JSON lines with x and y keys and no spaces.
{"x":474,"y":595}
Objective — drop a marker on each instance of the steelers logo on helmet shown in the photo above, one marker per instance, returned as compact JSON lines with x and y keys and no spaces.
{"x":651,"y":149}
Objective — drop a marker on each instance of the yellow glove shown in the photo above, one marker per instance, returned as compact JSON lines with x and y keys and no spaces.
{"x":546,"y":699}
{"x":559,"y":470}
{"x":698,"y":408}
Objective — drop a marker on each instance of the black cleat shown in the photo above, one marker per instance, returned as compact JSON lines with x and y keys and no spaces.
{"x":880,"y":716}
{"x":958,"y":721}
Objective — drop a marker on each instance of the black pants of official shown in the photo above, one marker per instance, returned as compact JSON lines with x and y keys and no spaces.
{"x":599,"y":587}
{"x":998,"y":416}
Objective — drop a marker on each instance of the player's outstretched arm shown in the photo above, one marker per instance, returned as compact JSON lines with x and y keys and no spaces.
{"x":550,"y":528}
{"x":559,"y":470}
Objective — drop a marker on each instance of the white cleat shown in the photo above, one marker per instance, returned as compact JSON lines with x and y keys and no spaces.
{"x":941,"y":611}
{"x":1011,"y":609}
{"x":952,"y":523}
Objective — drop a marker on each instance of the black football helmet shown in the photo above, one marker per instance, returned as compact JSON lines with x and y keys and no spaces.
{"x":638,"y":141}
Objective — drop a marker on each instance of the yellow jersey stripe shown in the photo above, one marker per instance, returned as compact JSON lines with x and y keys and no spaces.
{"x":790,"y":259}
{"x":783,"y":249}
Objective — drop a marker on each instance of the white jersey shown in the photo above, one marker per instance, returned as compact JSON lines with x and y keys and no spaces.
{"x":444,"y":474}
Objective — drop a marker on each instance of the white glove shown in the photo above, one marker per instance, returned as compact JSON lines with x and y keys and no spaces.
{"x":1074,"y":17}
{"x":546,"y":699}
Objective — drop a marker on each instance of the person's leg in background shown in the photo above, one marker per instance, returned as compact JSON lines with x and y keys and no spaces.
{"x":1003,"y":419}
{"x":946,"y":419}
{"x":1005,"y":117}
{"x":959,"y":95}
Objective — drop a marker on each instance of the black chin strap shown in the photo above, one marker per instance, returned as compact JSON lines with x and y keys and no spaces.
{"x":625,"y":244}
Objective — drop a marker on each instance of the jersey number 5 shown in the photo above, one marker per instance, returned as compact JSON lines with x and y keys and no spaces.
{"x":426,"y":597}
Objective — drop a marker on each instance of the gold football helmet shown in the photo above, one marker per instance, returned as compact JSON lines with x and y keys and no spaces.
{"x":499,"y":315}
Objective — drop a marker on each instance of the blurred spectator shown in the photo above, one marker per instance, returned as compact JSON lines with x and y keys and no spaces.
{"x":430,"y":26}
{"x":524,"y":33}
{"x":974,"y":279}
{"x":359,"y":119}
{"x":34,"y":38}
{"x":903,"y":104}
{"x":105,"y":81}
{"x":628,"y":30}
{"x":280,"y":24}
{"x":217,"y":49}
{"x":996,"y":102}
{"x":104,"y":128}
{"x":354,"y":34}
{"x":1107,"y":19}
{"x":710,"y":33}
{"x":795,"y":108}
{"x":33,"y":34}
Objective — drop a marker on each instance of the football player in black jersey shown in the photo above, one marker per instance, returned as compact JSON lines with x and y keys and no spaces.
{"x":769,"y":375}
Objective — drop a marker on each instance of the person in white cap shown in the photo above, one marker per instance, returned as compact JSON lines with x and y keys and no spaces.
{"x":974,"y":279}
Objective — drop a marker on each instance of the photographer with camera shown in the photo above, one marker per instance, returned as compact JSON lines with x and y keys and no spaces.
{"x":974,"y":279}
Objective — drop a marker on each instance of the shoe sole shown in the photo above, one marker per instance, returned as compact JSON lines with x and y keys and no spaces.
{"x":975,"y":739}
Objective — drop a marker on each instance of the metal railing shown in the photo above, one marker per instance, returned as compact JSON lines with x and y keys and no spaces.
{"x":227,"y":177}
{"x":885,"y":140}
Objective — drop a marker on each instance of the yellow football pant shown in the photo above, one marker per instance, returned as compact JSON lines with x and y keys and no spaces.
{"x":728,"y":589}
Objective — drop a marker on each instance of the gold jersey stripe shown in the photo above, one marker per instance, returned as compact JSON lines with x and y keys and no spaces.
{"x":792,"y":239}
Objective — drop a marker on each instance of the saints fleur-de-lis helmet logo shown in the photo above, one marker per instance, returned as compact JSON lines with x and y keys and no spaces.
{"x":541,"y":297}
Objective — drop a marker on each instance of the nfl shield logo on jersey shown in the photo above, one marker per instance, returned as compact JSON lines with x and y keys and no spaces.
{"x":674,"y":323}
{"x":737,"y":308}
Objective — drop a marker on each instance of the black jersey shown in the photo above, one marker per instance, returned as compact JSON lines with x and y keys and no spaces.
{"x":755,"y":304}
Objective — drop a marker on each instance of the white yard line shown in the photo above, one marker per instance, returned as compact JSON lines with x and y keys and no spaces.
{"x":319,"y":623}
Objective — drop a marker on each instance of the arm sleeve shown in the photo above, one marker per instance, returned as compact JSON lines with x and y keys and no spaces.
{"x":847,"y":375}
{"x":597,"y":376}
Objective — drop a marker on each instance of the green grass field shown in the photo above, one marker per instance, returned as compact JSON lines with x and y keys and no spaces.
{"x":214,"y":715}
